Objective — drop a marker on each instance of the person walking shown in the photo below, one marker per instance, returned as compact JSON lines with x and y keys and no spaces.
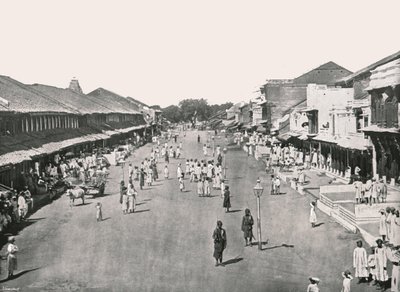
{"x":360,"y":262}
{"x":166,"y":172}
{"x":220,"y":242}
{"x":389,"y":224}
{"x":382,"y":225}
{"x":313,"y":286}
{"x":99,"y":213}
{"x":141,"y":178}
{"x":12,"y":250}
{"x":374,"y":191}
{"x":198,"y":138}
{"x":277,"y":184}
{"x":22,"y":206}
{"x":131,"y":198}
{"x":227,"y":199}
{"x":200,"y":187}
{"x":207,"y":189}
{"x":313,"y":215}
{"x":272,"y":184}
{"x":381,"y":264}
{"x":367,"y":190}
{"x":247,"y":227}
{"x":346,"y":281}
{"x":124,"y":204}
{"x":222,"y":187}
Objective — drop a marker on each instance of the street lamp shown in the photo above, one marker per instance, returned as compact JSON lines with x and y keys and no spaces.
{"x":225,"y":150}
{"x":258,"y":190}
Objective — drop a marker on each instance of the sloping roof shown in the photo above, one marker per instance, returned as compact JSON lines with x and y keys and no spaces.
{"x":22,"y":99}
{"x":327,"y":73}
{"x":138,"y":101}
{"x":83,"y":103}
{"x":114,"y":101}
{"x":367,"y":69}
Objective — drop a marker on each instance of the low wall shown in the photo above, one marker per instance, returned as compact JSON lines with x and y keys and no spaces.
{"x":336,"y":189}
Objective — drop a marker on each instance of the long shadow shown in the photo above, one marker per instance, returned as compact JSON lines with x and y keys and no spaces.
{"x":279,"y":246}
{"x":147,"y":200}
{"x":232,"y":261}
{"x":186,"y":191}
{"x":319,"y":224}
{"x":234,"y":211}
{"x":262,"y":243}
{"x":105,"y":219}
{"x":138,"y":204}
{"x":80,"y":205}
{"x":141,"y":211}
{"x":17,"y":275}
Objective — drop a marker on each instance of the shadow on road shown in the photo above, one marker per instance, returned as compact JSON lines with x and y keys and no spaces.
{"x":232,"y":261}
{"x":80,"y":205}
{"x":105,"y":219}
{"x":319,"y":224}
{"x":278,"y":246}
{"x":234,"y":211}
{"x":142,"y":203}
{"x":141,"y":211}
{"x":256,"y":243}
{"x":147,"y":200}
{"x":19,"y":275}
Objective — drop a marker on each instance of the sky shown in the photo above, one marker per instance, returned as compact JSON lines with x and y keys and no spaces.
{"x":161,"y":52}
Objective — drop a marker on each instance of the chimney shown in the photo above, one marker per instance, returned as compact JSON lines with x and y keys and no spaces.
{"x":74,"y":86}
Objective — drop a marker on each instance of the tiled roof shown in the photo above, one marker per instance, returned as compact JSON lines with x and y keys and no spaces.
{"x":81,"y":102}
{"x":22,"y":99}
{"x":137,"y":101}
{"x":367,"y":69}
{"x":116,"y":102}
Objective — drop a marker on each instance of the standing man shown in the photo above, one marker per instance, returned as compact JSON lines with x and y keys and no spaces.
{"x":22,"y":206}
{"x":277,"y":184}
{"x":247,"y":227}
{"x":360,"y":262}
{"x":227,"y":199}
{"x":12,"y":249}
{"x":382,"y":225}
{"x":358,"y":186}
{"x":381,"y":264}
{"x":393,"y":255}
{"x":198,"y":138}
{"x":220,"y":241}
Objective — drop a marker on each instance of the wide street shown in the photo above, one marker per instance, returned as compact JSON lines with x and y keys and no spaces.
{"x":167,"y":246}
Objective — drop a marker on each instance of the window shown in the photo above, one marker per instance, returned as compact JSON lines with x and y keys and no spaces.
{"x":366,"y":121}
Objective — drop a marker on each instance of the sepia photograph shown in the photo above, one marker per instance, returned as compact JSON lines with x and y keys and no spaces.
{"x":200,"y":146}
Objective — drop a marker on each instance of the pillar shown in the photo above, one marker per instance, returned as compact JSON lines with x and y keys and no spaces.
{"x":374,"y":166}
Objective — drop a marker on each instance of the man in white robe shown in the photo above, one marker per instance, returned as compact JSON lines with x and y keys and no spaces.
{"x":381,"y":264}
{"x":360,"y":262}
{"x":393,"y":255}
{"x":382,"y":225}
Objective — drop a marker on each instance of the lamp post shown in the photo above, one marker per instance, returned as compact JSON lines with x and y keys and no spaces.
{"x":258,"y":190}
{"x":225,"y":150}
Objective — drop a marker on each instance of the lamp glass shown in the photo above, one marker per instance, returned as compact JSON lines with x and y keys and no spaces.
{"x":258,"y":189}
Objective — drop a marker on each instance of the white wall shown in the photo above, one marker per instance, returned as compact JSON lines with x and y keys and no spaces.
{"x":324,"y":98}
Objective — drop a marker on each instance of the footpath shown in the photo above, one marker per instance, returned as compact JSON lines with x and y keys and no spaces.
{"x":336,"y":199}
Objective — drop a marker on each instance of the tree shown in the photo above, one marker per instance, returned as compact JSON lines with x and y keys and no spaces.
{"x":193,"y":109}
{"x":172,"y":113}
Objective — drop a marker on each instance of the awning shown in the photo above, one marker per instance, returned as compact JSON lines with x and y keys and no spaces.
{"x":303,"y":137}
{"x":16,"y":157}
{"x":357,"y":143}
{"x":375,"y":128}
{"x":325,"y":138}
{"x":261,"y":129}
{"x":284,"y":137}
{"x":385,"y":75}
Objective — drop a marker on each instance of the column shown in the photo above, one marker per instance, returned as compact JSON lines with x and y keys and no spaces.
{"x":374,"y":166}
{"x":32,"y":125}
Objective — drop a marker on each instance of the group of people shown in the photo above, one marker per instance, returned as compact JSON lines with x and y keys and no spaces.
{"x":371,"y":191}
{"x":373,"y":268}
{"x":14,"y":207}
